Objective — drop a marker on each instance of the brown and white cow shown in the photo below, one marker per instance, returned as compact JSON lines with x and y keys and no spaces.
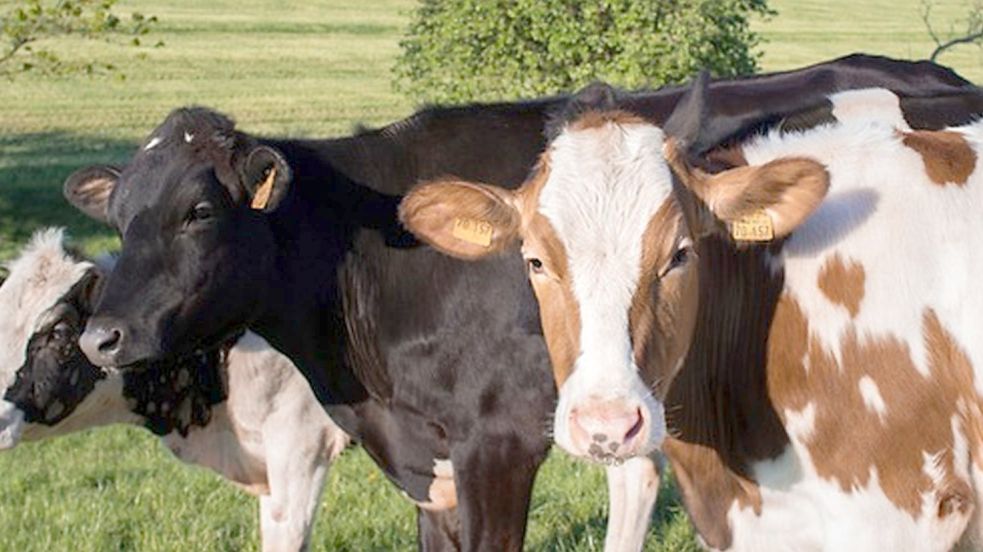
{"x":246,"y":413}
{"x":826,"y":392}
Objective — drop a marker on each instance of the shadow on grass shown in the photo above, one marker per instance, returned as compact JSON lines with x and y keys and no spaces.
{"x":33,"y":168}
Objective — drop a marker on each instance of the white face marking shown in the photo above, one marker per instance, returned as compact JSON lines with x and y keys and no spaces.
{"x":153,"y":142}
{"x":188,"y":137}
{"x":872,"y":396}
{"x":604,"y":186}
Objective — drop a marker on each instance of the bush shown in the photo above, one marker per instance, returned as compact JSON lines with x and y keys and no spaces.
{"x":468,"y":50}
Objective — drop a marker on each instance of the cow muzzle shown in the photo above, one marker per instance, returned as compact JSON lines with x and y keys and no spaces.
{"x":103,"y":343}
{"x":608,"y":430}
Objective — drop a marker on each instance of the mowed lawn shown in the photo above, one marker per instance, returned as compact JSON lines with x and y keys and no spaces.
{"x":302,"y":69}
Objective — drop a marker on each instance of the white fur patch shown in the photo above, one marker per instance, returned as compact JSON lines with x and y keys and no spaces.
{"x":188,"y":137}
{"x":11,"y":424}
{"x":871,"y":104}
{"x":872,"y":396}
{"x":605,"y":184}
{"x":152,"y":143}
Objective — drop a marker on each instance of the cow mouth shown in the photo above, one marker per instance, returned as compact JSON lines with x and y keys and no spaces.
{"x":194,"y":356}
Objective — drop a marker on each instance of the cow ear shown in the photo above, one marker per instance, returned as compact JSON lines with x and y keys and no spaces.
{"x":781,"y":193}
{"x":462,"y":219}
{"x":688,"y":120}
{"x":266,"y":177}
{"x":758,"y":203}
{"x":89,"y":189}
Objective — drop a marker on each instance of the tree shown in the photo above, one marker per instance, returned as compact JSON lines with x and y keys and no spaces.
{"x":26,"y":26}
{"x":461,"y":50}
{"x":973,"y":31}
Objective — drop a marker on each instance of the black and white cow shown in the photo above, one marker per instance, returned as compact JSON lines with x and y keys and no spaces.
{"x":437,"y":367}
{"x":242,"y":410}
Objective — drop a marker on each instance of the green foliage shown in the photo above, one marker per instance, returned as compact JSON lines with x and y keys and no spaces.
{"x":26,"y":26}
{"x":460,"y":50}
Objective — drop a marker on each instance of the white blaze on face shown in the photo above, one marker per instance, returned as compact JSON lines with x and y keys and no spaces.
{"x":604,"y":186}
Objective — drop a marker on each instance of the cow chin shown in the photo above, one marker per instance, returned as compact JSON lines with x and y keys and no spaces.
{"x":11,"y":424}
{"x":608,"y":427}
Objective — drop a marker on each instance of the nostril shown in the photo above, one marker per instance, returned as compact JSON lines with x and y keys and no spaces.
{"x":101,"y":344}
{"x":110,"y":342}
{"x":636,"y":428}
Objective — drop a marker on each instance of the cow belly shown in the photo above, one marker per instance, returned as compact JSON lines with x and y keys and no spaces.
{"x":809,"y":513}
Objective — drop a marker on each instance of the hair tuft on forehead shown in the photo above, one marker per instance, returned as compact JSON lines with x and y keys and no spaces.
{"x":596,"y":97}
{"x":203,"y":130}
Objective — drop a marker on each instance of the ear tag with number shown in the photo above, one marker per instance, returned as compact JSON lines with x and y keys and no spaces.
{"x":263,"y":192}
{"x":476,"y":231}
{"x":756,"y":227}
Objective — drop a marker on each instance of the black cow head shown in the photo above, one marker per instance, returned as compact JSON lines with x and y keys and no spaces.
{"x":192,"y":207}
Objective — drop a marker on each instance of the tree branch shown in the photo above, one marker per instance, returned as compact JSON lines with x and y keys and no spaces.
{"x":960,"y":40}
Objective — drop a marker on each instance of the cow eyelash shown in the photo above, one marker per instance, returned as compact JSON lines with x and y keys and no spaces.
{"x":201,"y":211}
{"x":681,"y":256}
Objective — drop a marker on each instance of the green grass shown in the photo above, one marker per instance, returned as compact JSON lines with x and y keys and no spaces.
{"x":310,"y":70}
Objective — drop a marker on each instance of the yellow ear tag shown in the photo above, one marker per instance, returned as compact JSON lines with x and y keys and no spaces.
{"x":756,"y":227}
{"x":262,"y":196}
{"x":478,"y":232}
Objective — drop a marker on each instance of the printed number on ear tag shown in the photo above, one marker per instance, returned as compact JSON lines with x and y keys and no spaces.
{"x":262,"y":196}
{"x":756,"y":227}
{"x":474,"y":231}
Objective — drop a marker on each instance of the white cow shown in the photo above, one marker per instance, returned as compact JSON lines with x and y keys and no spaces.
{"x":244,"y":412}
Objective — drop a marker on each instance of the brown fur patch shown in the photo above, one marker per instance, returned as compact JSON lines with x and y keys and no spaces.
{"x":948,"y":158}
{"x":597,"y":119}
{"x":850,"y":440}
{"x":727,"y":157}
{"x":559,"y":311}
{"x":661,"y":318}
{"x":843,"y":283}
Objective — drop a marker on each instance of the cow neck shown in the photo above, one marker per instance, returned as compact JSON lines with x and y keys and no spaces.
{"x":314,"y":230}
{"x":720,"y":415}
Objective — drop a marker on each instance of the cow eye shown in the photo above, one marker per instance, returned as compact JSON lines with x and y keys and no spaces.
{"x":679,"y":258}
{"x":535,"y":265}
{"x":62,"y":332}
{"x":201,"y":211}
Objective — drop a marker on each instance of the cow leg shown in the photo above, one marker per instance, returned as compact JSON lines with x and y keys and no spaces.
{"x":494,"y":478}
{"x":633,"y":488}
{"x":296,"y":466}
{"x":437,"y":530}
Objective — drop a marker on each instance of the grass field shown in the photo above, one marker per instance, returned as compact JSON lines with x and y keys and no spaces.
{"x":303,"y":69}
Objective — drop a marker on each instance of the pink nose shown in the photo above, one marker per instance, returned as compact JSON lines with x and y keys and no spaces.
{"x":607,"y":430}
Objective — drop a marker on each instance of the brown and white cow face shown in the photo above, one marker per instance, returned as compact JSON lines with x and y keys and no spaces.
{"x":608,"y":257}
{"x":608,"y":234}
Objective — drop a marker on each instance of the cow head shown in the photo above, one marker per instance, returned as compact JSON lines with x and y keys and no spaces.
{"x":44,"y":376}
{"x":192,"y":208}
{"x":609,"y":225}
